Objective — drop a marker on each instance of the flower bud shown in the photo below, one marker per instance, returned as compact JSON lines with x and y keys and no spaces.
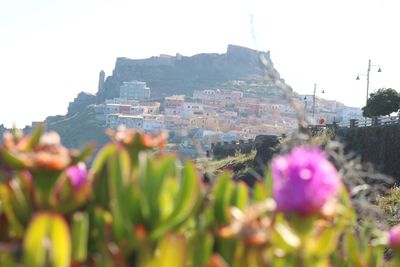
{"x":74,"y":190}
{"x":77,"y":175}
{"x":394,"y":237}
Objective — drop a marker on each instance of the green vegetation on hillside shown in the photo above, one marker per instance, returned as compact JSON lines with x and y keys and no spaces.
{"x":78,"y":129}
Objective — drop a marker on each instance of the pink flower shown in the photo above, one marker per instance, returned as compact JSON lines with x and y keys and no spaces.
{"x":77,"y":174}
{"x":73,"y":190}
{"x":304,"y":181}
{"x":394,"y":237}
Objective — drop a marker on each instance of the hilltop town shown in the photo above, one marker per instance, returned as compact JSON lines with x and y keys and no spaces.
{"x":199,"y":100}
{"x":212,"y":115}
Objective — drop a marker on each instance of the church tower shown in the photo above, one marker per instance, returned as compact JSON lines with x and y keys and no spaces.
{"x":102,"y":77}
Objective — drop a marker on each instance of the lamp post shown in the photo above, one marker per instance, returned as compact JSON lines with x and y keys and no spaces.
{"x":368,"y":71}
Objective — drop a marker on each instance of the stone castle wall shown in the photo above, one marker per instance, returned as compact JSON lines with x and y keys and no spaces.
{"x":225,"y":149}
{"x":264,"y":145}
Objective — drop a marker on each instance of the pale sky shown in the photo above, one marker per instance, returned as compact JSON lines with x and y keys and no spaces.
{"x":50,"y":50}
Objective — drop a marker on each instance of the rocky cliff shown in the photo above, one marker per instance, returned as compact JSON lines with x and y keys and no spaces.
{"x":238,"y":68}
{"x":81,"y":101}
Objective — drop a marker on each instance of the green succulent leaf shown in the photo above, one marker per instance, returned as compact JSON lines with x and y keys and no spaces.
{"x":222,"y":195}
{"x":172,"y":251}
{"x":80,"y":234}
{"x":84,"y":154}
{"x":324,"y":243}
{"x":35,"y":136}
{"x":47,"y":241}
{"x":119,"y":168}
{"x":285,"y":237}
{"x":352,"y":248}
{"x":20,"y":201}
{"x":186,"y":201}
{"x":153,"y":174}
{"x":12,"y":159}
{"x":100,"y":161}
{"x":240,"y":195}
{"x":15,"y":225}
{"x":259,"y":192}
{"x":268,"y":182}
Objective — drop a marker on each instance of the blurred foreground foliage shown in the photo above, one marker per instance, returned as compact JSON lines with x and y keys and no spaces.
{"x":137,"y":206}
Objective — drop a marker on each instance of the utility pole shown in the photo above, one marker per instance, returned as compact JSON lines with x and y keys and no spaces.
{"x":369,"y":69}
{"x":368,"y":72}
{"x":313,"y":103}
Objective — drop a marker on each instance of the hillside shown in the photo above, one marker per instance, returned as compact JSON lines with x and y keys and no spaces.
{"x":78,"y":129}
{"x":238,"y":68}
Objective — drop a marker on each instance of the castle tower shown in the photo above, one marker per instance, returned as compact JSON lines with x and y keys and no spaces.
{"x":102,"y":76}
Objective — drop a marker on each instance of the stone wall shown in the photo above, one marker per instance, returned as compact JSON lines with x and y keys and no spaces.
{"x":224,"y":149}
{"x":266,"y":146}
{"x":379,"y":145}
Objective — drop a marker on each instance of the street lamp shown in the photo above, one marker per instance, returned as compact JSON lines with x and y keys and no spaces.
{"x":368,"y":71}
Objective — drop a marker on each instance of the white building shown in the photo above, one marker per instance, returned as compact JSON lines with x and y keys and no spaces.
{"x":131,"y":121}
{"x":134,"y":90}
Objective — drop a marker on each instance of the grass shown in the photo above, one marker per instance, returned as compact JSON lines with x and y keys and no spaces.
{"x":390,"y":204}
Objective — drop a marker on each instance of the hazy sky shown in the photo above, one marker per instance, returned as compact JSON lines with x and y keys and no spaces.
{"x":50,"y":50}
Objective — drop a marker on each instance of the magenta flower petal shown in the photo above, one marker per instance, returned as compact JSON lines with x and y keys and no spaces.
{"x":303,"y":181}
{"x":77,"y":175}
{"x":394,"y":237}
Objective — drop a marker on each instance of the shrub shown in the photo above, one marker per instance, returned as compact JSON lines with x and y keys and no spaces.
{"x":137,"y":206}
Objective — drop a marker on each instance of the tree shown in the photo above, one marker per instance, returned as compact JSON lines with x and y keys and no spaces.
{"x":382,"y":102}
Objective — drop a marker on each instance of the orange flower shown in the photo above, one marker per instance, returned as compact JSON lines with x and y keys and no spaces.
{"x":45,"y":153}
